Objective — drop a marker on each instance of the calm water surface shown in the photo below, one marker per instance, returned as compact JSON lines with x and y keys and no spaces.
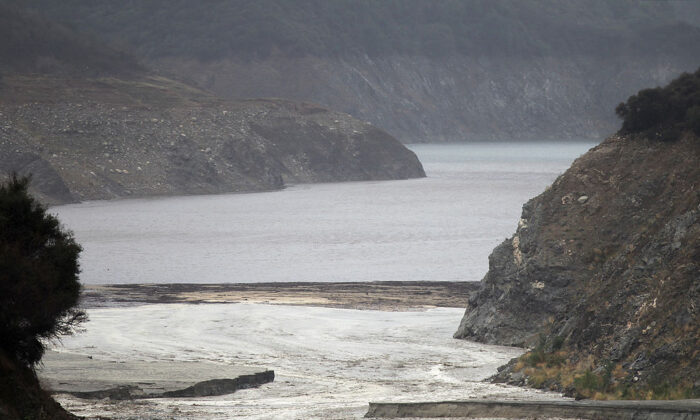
{"x":439,"y":228}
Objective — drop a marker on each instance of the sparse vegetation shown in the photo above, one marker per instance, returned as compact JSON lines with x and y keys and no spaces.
{"x":609,"y":381}
{"x":544,"y":353}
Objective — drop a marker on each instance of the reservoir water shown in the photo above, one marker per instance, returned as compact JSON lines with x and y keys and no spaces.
{"x":440,"y":228}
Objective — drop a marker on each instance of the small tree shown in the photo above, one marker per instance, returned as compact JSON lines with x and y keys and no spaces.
{"x":39,"y":287}
{"x":663,"y":113}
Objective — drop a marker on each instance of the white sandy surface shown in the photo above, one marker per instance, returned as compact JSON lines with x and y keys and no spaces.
{"x":329,"y":363}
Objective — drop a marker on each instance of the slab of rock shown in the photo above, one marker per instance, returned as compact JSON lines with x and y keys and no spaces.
{"x":85,"y":377}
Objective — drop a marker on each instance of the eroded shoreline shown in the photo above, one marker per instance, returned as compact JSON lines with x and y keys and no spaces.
{"x":384,"y":296}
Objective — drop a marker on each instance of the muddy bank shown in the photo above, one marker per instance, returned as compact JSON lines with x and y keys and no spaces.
{"x":389,"y":296}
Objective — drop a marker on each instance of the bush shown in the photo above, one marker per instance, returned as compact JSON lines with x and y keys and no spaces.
{"x":589,"y":381}
{"x":39,"y":287}
{"x":664,"y":113}
{"x":544,"y":353}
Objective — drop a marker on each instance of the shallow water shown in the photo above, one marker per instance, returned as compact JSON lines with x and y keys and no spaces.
{"x":440,"y":228}
{"x":329,"y":363}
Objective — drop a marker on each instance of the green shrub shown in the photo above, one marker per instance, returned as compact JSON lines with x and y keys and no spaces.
{"x":588,"y":381}
{"x":664,"y":113}
{"x":39,"y":287}
{"x":557,"y":343}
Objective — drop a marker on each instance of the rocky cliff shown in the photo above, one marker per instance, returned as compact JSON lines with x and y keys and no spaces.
{"x":422,"y":70}
{"x":88,"y":122}
{"x":602,"y":276}
{"x":106,"y":137}
{"x":458,"y":98}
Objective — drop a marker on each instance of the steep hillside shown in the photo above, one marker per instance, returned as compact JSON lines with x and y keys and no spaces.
{"x":106,"y":138}
{"x":91,"y":126}
{"x":21,"y":396}
{"x":602,"y":276}
{"x":422,"y":70}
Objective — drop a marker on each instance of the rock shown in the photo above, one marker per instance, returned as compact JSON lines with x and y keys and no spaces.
{"x":86,"y":377}
{"x":619,"y":284}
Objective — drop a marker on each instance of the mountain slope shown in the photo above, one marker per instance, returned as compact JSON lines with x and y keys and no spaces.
{"x":94,"y":126}
{"x":602,"y":276}
{"x":423,"y":70}
{"x":33,"y":44}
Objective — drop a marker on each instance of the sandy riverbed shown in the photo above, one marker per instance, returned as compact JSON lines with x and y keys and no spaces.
{"x":329,"y":362}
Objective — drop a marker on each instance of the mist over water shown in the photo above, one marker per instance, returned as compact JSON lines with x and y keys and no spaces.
{"x":440,"y":228}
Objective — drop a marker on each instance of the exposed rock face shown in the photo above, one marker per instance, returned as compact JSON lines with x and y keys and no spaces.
{"x":105,"y":138}
{"x":425,"y":71}
{"x":457,"y":98}
{"x":208,"y":388}
{"x":607,"y":259}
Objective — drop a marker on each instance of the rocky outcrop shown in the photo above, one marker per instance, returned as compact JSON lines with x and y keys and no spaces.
{"x":223,"y":386}
{"x":208,"y":388}
{"x":92,"y":378}
{"x":107,"y":137}
{"x":605,"y":265}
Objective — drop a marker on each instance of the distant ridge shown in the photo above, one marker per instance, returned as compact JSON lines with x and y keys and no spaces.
{"x":30,"y":43}
{"x":423,"y":70}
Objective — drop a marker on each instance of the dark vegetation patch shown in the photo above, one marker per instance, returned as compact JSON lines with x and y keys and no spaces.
{"x":39,"y":287}
{"x":39,"y":291}
{"x":33,"y":44}
{"x":664,"y":113}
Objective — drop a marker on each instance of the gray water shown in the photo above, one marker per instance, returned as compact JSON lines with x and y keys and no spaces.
{"x":440,"y":228}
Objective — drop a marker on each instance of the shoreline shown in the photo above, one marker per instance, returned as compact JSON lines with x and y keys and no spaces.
{"x":382,"y":295}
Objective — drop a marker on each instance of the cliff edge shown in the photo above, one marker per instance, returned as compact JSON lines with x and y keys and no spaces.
{"x":602,"y":277}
